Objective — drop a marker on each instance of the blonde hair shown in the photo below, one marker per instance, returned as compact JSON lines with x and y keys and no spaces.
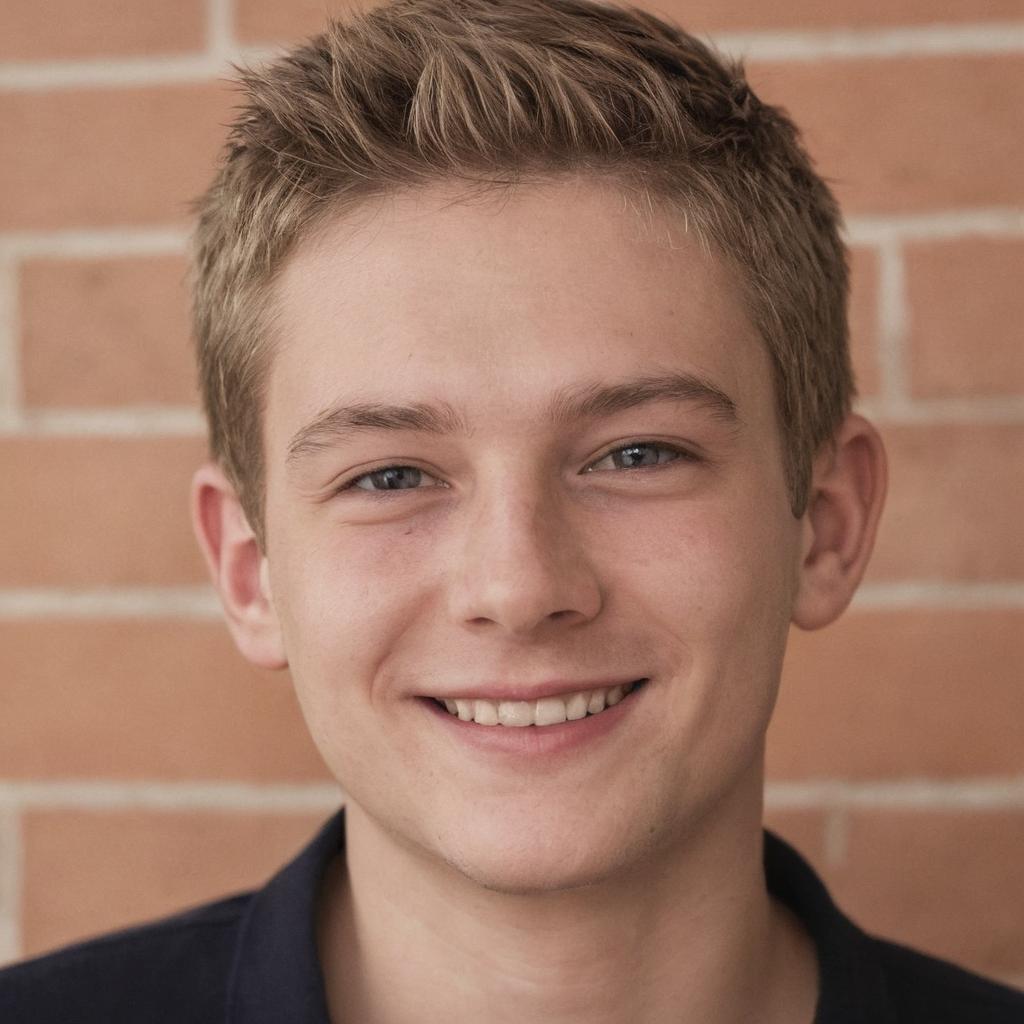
{"x":492,"y":94}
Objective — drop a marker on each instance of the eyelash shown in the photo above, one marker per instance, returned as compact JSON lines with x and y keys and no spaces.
{"x":682,"y":455}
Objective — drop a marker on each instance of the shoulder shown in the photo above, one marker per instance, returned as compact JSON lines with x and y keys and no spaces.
{"x":931,"y":991}
{"x":173,"y":969}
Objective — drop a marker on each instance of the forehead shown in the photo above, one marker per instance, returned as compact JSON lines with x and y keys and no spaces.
{"x":496,"y":302}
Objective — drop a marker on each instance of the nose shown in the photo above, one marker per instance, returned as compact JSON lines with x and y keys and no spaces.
{"x":522,"y":564}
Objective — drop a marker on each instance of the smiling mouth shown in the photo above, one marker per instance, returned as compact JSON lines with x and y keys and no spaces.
{"x":545,"y":711}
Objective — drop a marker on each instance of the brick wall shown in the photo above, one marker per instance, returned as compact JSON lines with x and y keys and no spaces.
{"x":143,"y":765}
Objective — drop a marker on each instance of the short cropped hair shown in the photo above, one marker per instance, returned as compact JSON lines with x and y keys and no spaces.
{"x":490,"y":95}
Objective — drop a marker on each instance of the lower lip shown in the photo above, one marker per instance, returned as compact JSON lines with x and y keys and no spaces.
{"x":537,"y":740}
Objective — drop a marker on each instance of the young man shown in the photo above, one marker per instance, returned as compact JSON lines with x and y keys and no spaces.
{"x":522,"y":337}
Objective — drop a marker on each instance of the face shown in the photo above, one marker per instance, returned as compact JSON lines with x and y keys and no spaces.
{"x":599,"y":499}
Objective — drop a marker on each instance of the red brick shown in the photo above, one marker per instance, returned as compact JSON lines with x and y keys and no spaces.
{"x":955,"y":505}
{"x":909,"y":134}
{"x":946,"y":882}
{"x":106,"y":332}
{"x":57,"y":29}
{"x":864,"y":272}
{"x":145,"y":700}
{"x":101,"y":157}
{"x":261,"y":21}
{"x":98,"y":511}
{"x":738,"y":15}
{"x":966,"y":311}
{"x":902,"y":694}
{"x":87,"y":872}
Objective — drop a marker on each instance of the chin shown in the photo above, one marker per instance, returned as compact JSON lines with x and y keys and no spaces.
{"x":529,"y":860}
{"x":529,"y":877}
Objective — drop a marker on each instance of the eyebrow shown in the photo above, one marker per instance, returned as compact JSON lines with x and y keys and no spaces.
{"x":569,"y":405}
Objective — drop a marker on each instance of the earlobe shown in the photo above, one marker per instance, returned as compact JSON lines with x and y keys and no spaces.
{"x":847,"y":495}
{"x":237,"y":566}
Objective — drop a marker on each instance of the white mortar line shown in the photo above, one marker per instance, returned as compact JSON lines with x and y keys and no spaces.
{"x":10,"y":942}
{"x":170,"y":796}
{"x":836,"y":44}
{"x":220,"y":44}
{"x":81,"y":244}
{"x":131,"y":421}
{"x":921,"y":594}
{"x":893,"y":324}
{"x":935,"y":226}
{"x":910,"y":794}
{"x":903,"y":41}
{"x":108,"y":73}
{"x":200,"y":603}
{"x":122,"y":72}
{"x":191,"y":604}
{"x":914,"y":794}
{"x":10,"y":361}
{"x":263,"y":52}
{"x":10,"y":884}
{"x":186,"y":421}
{"x":860,"y":230}
{"x":836,"y":838}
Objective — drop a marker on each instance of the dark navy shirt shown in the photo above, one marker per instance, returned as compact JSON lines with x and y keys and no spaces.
{"x":252,"y":959}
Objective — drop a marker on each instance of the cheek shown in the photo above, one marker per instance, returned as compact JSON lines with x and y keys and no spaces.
{"x":721,"y":595}
{"x":347,"y":606}
{"x":720,"y":561}
{"x":344,"y":604}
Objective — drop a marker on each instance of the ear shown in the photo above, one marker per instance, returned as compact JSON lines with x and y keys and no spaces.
{"x":237,"y":567}
{"x":847,"y":493}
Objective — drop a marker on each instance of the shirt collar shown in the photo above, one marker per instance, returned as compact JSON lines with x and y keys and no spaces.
{"x":276,"y":973}
{"x":851,"y":983}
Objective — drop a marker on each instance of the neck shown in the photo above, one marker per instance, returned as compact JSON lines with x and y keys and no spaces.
{"x":691,"y":936}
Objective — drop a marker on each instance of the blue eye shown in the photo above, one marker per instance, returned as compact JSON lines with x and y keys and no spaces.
{"x":636,"y":455}
{"x":390,"y":478}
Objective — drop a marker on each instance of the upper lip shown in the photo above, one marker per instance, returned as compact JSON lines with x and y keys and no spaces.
{"x":529,"y":691}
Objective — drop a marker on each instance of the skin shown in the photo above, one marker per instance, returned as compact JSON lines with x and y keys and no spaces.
{"x":621,"y":880}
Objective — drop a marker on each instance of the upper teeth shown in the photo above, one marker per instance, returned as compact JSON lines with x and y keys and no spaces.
{"x":546,"y":711}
